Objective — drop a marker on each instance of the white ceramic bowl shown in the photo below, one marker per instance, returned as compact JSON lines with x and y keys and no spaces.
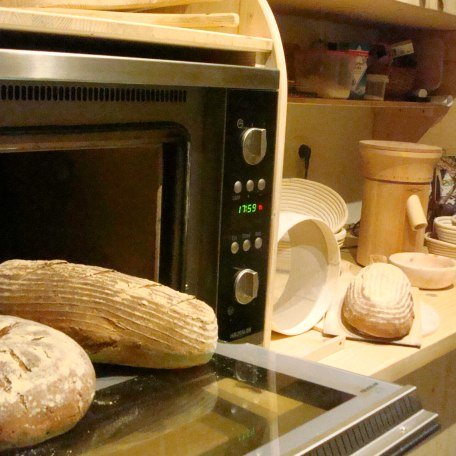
{"x":438,"y":247}
{"x":444,"y":229}
{"x":426,"y":270}
{"x":314,"y":199}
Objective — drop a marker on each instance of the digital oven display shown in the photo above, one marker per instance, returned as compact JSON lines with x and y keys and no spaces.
{"x":249,"y":208}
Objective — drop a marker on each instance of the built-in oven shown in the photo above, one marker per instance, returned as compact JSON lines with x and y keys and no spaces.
{"x":158,"y":169}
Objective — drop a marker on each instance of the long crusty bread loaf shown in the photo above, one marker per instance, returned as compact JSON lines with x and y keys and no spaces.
{"x":115,"y":317}
{"x":379,"y":302}
{"x":47,"y":382}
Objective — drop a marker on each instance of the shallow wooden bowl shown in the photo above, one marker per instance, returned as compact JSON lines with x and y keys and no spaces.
{"x":426,"y":270}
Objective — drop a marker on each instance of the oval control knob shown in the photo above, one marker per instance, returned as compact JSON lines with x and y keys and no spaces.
{"x":246,"y":286}
{"x":254,"y":145}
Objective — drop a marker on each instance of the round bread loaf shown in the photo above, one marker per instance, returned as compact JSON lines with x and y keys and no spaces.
{"x":379,"y":302}
{"x":47,"y":382}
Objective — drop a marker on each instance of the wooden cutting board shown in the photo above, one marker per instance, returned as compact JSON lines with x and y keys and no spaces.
{"x":121,"y":5}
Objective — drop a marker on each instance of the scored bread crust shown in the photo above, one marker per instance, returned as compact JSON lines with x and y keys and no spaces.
{"x":115,"y":317}
{"x":379,"y":302}
{"x":47,"y":382}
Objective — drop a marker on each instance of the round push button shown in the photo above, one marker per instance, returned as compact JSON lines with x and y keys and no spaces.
{"x":250,"y":185}
{"x":237,"y":187}
{"x":246,"y":245}
{"x":234,"y":248}
{"x":261,"y":184}
{"x":258,"y":243}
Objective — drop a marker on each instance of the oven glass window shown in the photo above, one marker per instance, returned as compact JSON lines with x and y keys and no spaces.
{"x":226,"y":407}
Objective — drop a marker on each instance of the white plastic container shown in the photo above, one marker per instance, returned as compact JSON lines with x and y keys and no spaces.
{"x":323,"y":73}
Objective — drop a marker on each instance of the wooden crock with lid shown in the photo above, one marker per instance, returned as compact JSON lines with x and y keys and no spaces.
{"x":398,"y":161}
{"x":395,"y":196}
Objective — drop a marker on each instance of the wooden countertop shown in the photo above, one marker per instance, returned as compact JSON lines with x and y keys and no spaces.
{"x":385,"y":362}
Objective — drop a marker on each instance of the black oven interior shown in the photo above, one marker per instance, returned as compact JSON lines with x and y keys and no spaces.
{"x":112,"y":196}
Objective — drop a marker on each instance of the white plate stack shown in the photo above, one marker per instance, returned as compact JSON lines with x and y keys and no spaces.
{"x":443,"y":240}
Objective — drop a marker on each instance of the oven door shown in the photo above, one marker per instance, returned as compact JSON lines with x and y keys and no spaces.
{"x":245,"y":401}
{"x":114,"y":196}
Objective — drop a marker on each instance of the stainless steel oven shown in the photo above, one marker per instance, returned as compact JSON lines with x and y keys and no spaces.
{"x":159,"y":169}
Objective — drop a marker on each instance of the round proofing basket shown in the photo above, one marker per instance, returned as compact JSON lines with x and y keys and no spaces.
{"x":438,"y":247}
{"x":314,"y":199}
{"x":340,"y":237}
{"x":444,"y":229}
{"x":306,"y":273}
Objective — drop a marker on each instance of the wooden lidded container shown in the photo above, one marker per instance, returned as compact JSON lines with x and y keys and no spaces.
{"x":395,"y":196}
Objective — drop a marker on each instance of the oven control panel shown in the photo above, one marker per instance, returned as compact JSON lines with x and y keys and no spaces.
{"x":246,"y":214}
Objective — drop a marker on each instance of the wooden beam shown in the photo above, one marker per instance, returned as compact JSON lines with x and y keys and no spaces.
{"x":173,"y":20}
{"x":120,"y":5}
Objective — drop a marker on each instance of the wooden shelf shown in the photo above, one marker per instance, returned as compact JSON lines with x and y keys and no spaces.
{"x":390,"y":120}
{"x":391,"y":12}
{"x":364,"y":103}
{"x":69,"y":24}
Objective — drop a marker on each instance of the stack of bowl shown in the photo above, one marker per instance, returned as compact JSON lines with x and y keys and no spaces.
{"x":316,"y":200}
{"x":443,"y":239}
